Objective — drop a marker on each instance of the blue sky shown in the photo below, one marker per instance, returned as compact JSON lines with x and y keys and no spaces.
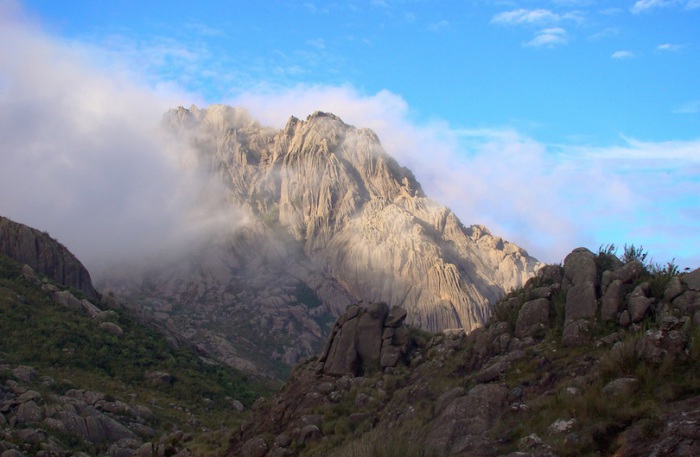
{"x":555,"y":123}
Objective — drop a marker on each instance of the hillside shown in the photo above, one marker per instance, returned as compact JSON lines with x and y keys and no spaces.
{"x":79,"y":377}
{"x":593,"y":358}
{"x":325,"y":218}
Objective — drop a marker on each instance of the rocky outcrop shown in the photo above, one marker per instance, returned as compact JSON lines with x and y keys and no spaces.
{"x":333,"y":220}
{"x":45,"y":255}
{"x":515,"y":387}
{"x":365,"y":337}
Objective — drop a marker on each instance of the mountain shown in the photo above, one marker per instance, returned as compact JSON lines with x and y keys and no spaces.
{"x":86,"y":377}
{"x":45,"y":255}
{"x":325,"y":218}
{"x":595,"y":357}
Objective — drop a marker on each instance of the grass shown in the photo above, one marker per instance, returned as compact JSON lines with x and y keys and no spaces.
{"x":68,"y":346}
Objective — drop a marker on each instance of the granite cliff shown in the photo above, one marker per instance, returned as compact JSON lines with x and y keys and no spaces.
{"x":327,"y":219}
{"x":45,"y":255}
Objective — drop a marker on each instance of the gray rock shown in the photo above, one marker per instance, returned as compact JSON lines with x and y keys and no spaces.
{"x":29,"y":412}
{"x":625,"y":319}
{"x":630,"y":272}
{"x":576,"y":333}
{"x":462,"y":427}
{"x":283,"y":440}
{"x":308,"y":434}
{"x":390,"y":356}
{"x":613,"y":300}
{"x":369,"y":333}
{"x":397,"y":315}
{"x":692,"y":279}
{"x":579,"y":268}
{"x":580,"y":302}
{"x":447,"y":398}
{"x":673,"y":289}
{"x":492,"y":372}
{"x":254,"y":447}
{"x":638,"y":303}
{"x":621,"y":387}
{"x":532,"y":318}
{"x":112,"y":329}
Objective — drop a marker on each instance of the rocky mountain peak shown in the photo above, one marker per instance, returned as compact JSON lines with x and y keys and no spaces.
{"x":332,"y":219}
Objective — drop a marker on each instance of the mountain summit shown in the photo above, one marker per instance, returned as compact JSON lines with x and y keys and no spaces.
{"x":330,"y":219}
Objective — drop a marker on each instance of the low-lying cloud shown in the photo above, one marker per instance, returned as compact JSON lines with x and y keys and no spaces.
{"x":83,"y":156}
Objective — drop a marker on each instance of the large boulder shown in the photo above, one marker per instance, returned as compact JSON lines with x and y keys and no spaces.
{"x":532,"y":318}
{"x":365,"y":337}
{"x":613,"y":299}
{"x":580,"y":302}
{"x":579,"y":268}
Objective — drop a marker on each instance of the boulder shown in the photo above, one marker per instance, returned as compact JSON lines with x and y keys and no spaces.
{"x":532,"y":318}
{"x":111,"y":329}
{"x":692,"y":280}
{"x":613,"y":299}
{"x":579,"y":268}
{"x":628,"y":273}
{"x":463,"y":426}
{"x":254,"y":447}
{"x":638,"y":303}
{"x":576,"y":333}
{"x":580,"y":302}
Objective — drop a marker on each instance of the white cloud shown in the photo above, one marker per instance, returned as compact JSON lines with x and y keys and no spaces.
{"x":691,"y":107}
{"x":547,"y":199}
{"x":525,"y":16}
{"x":438,"y":26}
{"x":692,"y":4}
{"x":669,"y":47}
{"x":82,"y":156}
{"x":641,"y":6}
{"x":548,"y":38}
{"x":538,"y":16}
{"x":622,"y":55}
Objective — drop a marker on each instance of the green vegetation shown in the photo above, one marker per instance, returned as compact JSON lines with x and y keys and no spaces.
{"x":67,"y":345}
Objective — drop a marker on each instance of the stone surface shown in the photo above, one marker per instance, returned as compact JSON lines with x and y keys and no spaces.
{"x":44,"y":255}
{"x":581,"y":302}
{"x":612,"y":301}
{"x":579,"y":268}
{"x":532,"y":318}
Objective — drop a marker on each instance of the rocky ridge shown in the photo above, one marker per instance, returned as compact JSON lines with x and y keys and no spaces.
{"x":45,"y":255}
{"x":332,"y":219}
{"x":595,"y":357}
{"x":83,"y":378}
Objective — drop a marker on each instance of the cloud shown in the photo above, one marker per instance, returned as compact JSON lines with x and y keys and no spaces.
{"x":548,"y":199}
{"x":622,"y":55}
{"x":538,"y":16}
{"x":525,"y":16}
{"x":692,"y":4}
{"x":82,"y":153}
{"x":438,"y":26}
{"x":691,"y":107}
{"x":669,"y":47}
{"x":548,"y":38}
{"x":641,"y":6}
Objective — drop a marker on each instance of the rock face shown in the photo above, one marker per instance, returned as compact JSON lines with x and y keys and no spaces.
{"x":365,"y":337}
{"x":45,"y":255}
{"x":333,"y":220}
{"x":515,"y":383}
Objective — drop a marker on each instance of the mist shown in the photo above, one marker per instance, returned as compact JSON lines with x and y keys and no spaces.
{"x":84,"y":156}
